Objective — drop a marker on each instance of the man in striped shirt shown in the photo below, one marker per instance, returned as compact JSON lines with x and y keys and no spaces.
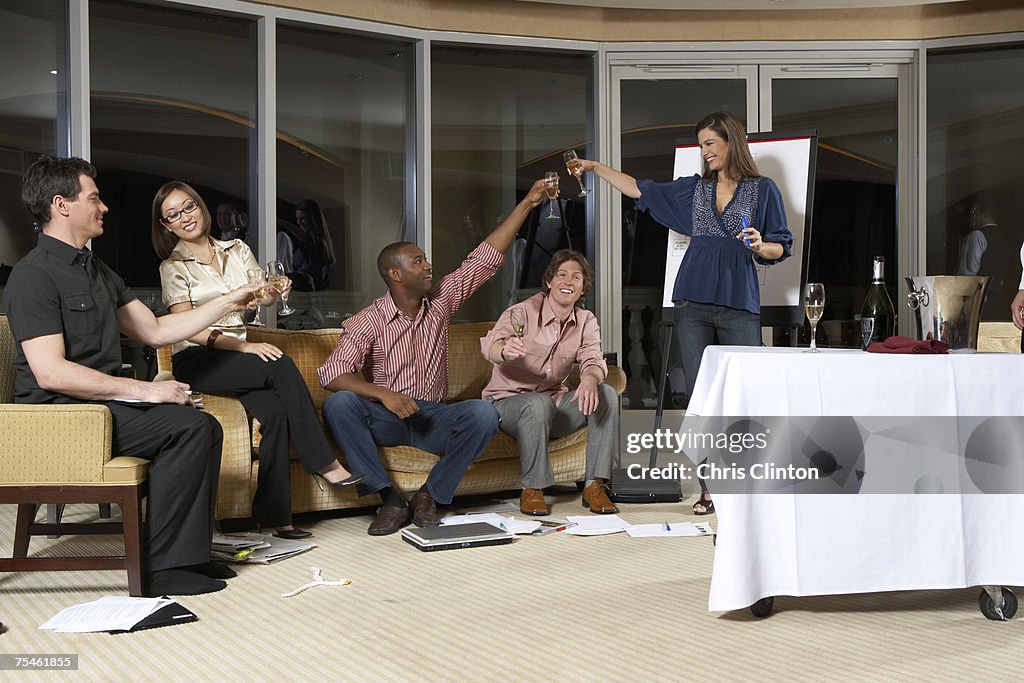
{"x":390,"y":372}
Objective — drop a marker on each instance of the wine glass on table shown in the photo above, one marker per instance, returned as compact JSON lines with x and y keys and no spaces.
{"x":551,"y":187}
{"x":575,"y":167}
{"x":279,"y":280}
{"x":257,"y":277}
{"x":814,"y":306}
{"x":517,"y":318}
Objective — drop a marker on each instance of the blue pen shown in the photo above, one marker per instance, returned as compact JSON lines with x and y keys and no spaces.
{"x":667,"y":527}
{"x":745,"y":223}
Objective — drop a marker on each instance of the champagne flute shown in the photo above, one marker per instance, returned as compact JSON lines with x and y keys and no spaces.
{"x":279,"y":280}
{"x":814,"y":306}
{"x":257,"y":277}
{"x":575,"y":166}
{"x":551,"y":187}
{"x":517,"y":317}
{"x":867,"y":329}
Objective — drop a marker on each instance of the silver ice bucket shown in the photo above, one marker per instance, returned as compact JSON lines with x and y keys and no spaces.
{"x":947,"y":308}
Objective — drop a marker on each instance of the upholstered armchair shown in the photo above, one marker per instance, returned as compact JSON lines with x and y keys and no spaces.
{"x":62,"y":454}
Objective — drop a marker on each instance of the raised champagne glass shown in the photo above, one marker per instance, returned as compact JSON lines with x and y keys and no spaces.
{"x":279,"y":280}
{"x":814,"y":306}
{"x":575,"y":167}
{"x":517,"y":318}
{"x":551,"y":187}
{"x":257,"y":277}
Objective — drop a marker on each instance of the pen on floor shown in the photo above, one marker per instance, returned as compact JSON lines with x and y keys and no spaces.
{"x":667,"y":527}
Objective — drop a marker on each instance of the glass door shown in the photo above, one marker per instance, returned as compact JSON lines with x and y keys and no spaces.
{"x":855,"y":109}
{"x":654,"y":109}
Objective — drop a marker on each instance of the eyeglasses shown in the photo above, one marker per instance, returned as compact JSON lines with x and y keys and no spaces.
{"x":174,"y":216}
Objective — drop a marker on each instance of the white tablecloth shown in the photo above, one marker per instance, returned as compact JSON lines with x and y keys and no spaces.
{"x":781,"y":544}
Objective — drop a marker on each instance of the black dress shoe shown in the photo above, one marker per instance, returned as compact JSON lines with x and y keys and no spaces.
{"x":179,"y":582}
{"x":214,"y":570}
{"x":389,"y":519}
{"x":293,"y":534}
{"x":424,"y":511}
{"x":352,"y":480}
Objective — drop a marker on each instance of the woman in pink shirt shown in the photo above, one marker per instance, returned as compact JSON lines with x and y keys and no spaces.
{"x":528,"y":387}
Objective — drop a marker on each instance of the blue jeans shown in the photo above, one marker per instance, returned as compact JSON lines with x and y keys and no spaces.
{"x":698,"y":326}
{"x":457,"y":432}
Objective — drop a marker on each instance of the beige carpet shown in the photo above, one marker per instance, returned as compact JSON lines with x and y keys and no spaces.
{"x":545,"y":609}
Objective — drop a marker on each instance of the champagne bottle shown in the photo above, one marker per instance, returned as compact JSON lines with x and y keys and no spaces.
{"x":878,"y":305}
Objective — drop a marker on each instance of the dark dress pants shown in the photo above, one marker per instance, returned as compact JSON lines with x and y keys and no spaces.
{"x":275,"y":393}
{"x":182,"y":445}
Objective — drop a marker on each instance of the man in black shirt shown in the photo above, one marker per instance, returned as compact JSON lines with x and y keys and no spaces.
{"x":67,"y":310}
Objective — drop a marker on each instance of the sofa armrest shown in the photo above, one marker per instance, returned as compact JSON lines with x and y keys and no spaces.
{"x":58,"y":444}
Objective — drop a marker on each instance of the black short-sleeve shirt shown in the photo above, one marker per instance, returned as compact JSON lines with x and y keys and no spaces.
{"x":58,"y":289}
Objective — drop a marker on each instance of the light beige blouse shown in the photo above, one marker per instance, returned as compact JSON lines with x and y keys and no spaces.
{"x":183,"y":278}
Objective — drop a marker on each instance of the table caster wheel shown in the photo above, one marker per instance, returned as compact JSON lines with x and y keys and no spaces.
{"x":988,"y":605}
{"x":763,"y":607}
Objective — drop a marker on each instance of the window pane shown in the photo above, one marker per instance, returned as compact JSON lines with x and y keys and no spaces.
{"x":341,"y":160}
{"x":173,"y":96}
{"x":30,"y":89}
{"x":500,"y":119}
{"x":854,"y":189}
{"x":975,"y":147}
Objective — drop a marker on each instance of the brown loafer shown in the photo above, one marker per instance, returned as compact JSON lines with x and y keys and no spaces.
{"x":595,"y":497}
{"x":389,"y":519}
{"x":424,"y":511}
{"x":531,"y":502}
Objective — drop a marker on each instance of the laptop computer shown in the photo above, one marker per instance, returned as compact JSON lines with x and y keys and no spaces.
{"x":456,"y":536}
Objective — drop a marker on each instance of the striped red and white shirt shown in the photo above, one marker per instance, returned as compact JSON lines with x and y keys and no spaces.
{"x":404,"y":355}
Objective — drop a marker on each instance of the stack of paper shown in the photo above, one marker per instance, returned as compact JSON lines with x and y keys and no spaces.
{"x":256,"y":548}
{"x":106,"y":614}
{"x":669,"y":529}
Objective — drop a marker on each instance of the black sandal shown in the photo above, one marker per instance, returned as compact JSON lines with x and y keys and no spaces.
{"x":708,"y":505}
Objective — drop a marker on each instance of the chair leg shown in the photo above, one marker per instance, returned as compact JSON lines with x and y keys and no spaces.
{"x":26,"y":515}
{"x":54,"y":513}
{"x":104,"y":510}
{"x":131,"y":523}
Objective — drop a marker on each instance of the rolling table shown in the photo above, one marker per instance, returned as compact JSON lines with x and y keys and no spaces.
{"x":801,"y":545}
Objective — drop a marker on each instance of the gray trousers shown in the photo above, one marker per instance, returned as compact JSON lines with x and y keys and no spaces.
{"x":532,"y":420}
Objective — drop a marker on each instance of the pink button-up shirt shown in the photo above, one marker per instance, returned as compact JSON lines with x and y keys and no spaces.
{"x":405,"y":355}
{"x":551,"y":349}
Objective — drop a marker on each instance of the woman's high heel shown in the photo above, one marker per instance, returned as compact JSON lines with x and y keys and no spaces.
{"x":352,"y":480}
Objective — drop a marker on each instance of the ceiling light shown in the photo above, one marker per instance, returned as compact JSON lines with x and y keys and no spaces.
{"x":53,"y":72}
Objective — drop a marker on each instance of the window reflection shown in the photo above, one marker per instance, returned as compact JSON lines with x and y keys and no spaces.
{"x":975,"y":144}
{"x":342,"y":102}
{"x":500,"y":120}
{"x":854,"y":201}
{"x":173,"y":96}
{"x":31,"y":86}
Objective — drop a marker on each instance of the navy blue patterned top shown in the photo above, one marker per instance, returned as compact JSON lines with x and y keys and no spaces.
{"x":718,"y":268}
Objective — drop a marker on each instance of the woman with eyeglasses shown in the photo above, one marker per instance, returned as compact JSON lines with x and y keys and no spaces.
{"x":196,"y":268}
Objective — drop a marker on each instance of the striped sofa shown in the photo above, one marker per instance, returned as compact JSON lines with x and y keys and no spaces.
{"x":497,"y":468}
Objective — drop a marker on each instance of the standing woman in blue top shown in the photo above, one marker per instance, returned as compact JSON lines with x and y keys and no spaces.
{"x":735,"y":218}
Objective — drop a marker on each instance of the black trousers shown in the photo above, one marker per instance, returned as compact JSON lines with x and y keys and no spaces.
{"x":183,"y":447}
{"x":276,"y":394}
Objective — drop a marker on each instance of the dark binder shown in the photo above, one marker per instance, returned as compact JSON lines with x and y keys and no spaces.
{"x":172,"y":614}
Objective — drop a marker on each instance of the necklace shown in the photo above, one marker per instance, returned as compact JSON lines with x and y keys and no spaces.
{"x":199,"y":260}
